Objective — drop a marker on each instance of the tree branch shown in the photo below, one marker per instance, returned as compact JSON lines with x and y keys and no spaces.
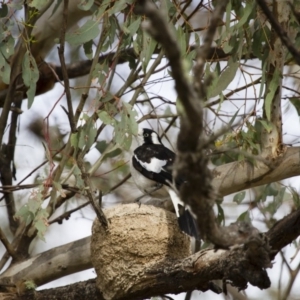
{"x":61,"y":51}
{"x":50,"y":265}
{"x":279,"y":30}
{"x":236,"y":176}
{"x":193,"y":272}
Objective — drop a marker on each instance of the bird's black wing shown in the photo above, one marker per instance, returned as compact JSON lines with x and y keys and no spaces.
{"x":154,"y":161}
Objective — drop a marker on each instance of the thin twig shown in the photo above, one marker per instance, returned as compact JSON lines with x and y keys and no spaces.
{"x":89,"y":193}
{"x":61,"y":51}
{"x":67,"y":214}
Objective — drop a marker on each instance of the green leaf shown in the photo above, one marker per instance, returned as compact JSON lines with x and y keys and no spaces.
{"x":239,"y":197}
{"x":102,"y":146}
{"x":296,"y":103}
{"x":113,"y":29}
{"x":25,"y":214}
{"x":41,"y":223}
{"x":245,"y":217}
{"x":101,"y":71}
{"x":85,"y":4}
{"x":267,"y":125}
{"x":246,"y":13}
{"x":228,"y":16}
{"x":102,"y":8}
{"x":107,"y":97}
{"x":106,"y":118}
{"x":181,"y":39}
{"x":223,"y":80}
{"x":78,"y":177}
{"x":88,"y":49}
{"x":4,"y":69}
{"x":149,"y":45}
{"x":126,"y":127}
{"x":33,"y":205}
{"x":295,"y":196}
{"x":91,"y":133}
{"x":118,"y":6}
{"x":132,"y":115}
{"x":74,"y":140}
{"x":233,"y":118}
{"x":134,"y":26}
{"x":263,"y":77}
{"x":59,"y":188}
{"x":85,"y":33}
{"x":38,"y":4}
{"x":81,"y":140}
{"x":274,"y":85}
{"x":30,"y":75}
{"x":221,"y":215}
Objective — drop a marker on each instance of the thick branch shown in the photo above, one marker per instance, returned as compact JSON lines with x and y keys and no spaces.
{"x":50,"y":265}
{"x":86,"y":290}
{"x":210,"y":264}
{"x":237,"y":176}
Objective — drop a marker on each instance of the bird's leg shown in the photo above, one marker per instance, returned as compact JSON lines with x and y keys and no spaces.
{"x":148,"y":193}
{"x":137,"y":200}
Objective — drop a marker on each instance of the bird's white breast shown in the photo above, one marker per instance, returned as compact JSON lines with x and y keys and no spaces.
{"x":147,"y":185}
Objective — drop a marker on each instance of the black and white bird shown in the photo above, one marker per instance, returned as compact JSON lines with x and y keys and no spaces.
{"x":151,"y":170}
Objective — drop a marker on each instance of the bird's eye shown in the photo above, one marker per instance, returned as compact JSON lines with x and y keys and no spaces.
{"x":146,"y":134}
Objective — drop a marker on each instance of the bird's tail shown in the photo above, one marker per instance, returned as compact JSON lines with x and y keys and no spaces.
{"x":187,"y":222}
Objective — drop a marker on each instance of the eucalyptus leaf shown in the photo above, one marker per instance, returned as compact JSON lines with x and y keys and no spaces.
{"x":83,"y":34}
{"x":267,"y":125}
{"x":41,"y":223}
{"x":85,"y":4}
{"x":78,"y":177}
{"x":30,"y":75}
{"x":274,"y":85}
{"x":25,"y":214}
{"x":134,"y":26}
{"x":239,"y":197}
{"x":296,"y":103}
{"x":246,"y":14}
{"x":74,"y":140}
{"x":245,"y":217}
{"x":118,"y":6}
{"x":223,"y":80}
{"x":38,"y":4}
{"x":88,"y":49}
{"x":149,"y":45}
{"x":106,"y":118}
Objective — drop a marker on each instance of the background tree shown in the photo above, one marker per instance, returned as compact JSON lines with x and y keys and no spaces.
{"x":111,"y":66}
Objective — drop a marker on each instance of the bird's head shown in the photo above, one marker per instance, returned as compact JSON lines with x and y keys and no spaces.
{"x":148,"y":136}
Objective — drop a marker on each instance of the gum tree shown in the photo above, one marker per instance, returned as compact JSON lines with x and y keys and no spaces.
{"x":234,"y":68}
